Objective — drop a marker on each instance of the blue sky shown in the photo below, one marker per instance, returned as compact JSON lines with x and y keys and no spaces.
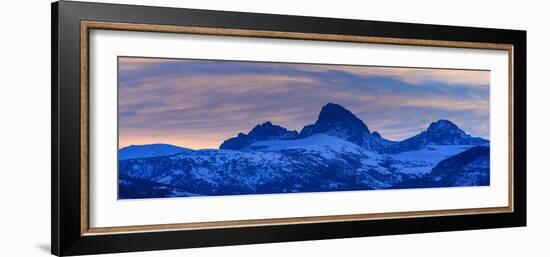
{"x":199,"y":103}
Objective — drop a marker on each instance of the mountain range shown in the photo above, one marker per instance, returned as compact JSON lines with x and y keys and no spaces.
{"x":336,"y":153}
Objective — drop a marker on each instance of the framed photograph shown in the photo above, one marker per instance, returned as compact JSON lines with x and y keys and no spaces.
{"x":178,"y":128}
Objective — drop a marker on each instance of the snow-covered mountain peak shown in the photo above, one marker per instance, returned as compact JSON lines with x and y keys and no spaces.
{"x":441,"y":132}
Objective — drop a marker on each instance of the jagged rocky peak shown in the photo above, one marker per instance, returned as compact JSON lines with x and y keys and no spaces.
{"x":267,"y":130}
{"x":337,"y":121}
{"x":334,"y":115}
{"x":442,"y":126}
{"x":261,"y":132}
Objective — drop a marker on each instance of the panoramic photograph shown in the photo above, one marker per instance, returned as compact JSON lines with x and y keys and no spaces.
{"x":195,"y":128}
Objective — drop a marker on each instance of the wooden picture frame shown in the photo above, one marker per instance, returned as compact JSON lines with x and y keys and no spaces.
{"x":71,"y":26}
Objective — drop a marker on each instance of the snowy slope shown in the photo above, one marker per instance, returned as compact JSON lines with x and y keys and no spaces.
{"x":318,"y":142}
{"x":468,"y":168}
{"x":318,"y":163}
{"x":152,"y":150}
{"x":420,"y":162}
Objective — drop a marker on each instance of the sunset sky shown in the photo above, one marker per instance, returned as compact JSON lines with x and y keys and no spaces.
{"x":198,"y":104}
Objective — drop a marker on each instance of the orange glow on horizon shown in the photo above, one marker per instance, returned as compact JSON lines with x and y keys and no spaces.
{"x":186,"y":142}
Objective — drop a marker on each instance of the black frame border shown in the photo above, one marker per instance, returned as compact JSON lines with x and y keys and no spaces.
{"x":66,"y":235}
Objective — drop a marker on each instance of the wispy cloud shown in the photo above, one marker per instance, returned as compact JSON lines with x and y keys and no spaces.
{"x":411,"y":75}
{"x":198,"y":104}
{"x":138,"y":64}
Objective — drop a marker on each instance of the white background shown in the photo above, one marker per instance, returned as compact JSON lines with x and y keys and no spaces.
{"x":25,"y":136}
{"x":106,"y":211}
